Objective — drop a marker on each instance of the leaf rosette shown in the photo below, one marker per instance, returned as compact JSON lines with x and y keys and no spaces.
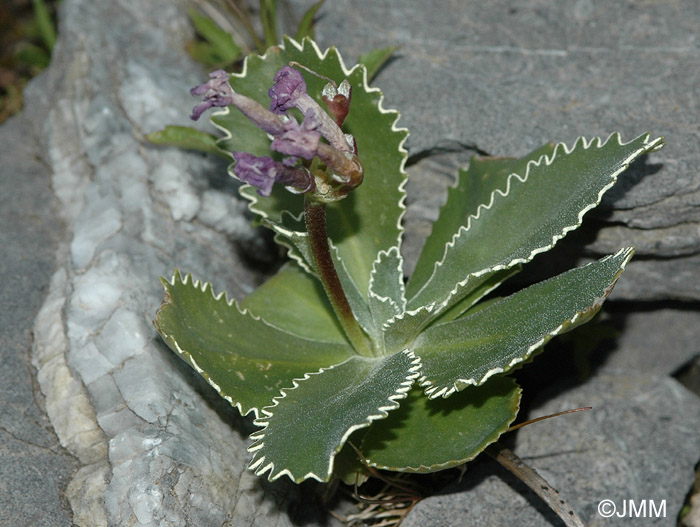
{"x":425,"y":387}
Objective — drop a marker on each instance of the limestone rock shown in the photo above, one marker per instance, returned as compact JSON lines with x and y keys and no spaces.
{"x":502,"y":79}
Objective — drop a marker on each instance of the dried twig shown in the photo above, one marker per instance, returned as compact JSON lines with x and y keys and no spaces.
{"x":536,"y":482}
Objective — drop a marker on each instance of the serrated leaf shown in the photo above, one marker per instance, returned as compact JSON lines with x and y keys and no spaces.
{"x":352,"y":292}
{"x":536,"y":210}
{"x":426,"y":435}
{"x":309,"y":423}
{"x":295,"y":302}
{"x":368,"y":220}
{"x":473,"y":187}
{"x":493,"y":340}
{"x":291,"y":234}
{"x":386,"y":279}
{"x":246,"y":360}
{"x":468,"y":302}
{"x":400,"y":330}
{"x":186,"y":137}
{"x":386,"y":292}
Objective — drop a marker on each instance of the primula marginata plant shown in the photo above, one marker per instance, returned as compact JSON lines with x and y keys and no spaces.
{"x":338,"y":351}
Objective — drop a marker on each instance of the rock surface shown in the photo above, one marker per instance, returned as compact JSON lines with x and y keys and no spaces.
{"x":144,"y":441}
{"x":34,"y":468}
{"x":636,"y":444}
{"x":504,"y":78}
{"x":155,"y":445}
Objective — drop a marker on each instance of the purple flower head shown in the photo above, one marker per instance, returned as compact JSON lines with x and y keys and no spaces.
{"x":300,"y":140}
{"x":216,"y":92}
{"x":260,"y":172}
{"x":289,"y":86}
{"x":263,"y":172}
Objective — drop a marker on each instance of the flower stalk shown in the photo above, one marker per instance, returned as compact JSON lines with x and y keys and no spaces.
{"x":315,"y":217}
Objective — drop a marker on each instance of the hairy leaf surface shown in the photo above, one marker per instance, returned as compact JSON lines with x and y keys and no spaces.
{"x":473,"y":348}
{"x":474,"y":187}
{"x":426,"y":435}
{"x":295,"y":302}
{"x":246,"y":360}
{"x":535,"y":211}
{"x":309,"y":423}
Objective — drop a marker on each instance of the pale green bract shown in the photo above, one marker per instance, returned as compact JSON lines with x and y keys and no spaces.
{"x":434,"y":392}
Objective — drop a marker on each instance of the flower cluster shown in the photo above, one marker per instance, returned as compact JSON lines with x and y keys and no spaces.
{"x":300,"y":142}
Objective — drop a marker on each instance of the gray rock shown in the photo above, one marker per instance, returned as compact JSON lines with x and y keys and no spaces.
{"x":504,"y":78}
{"x":155,"y":445}
{"x":638,"y":443}
{"x":34,"y":467}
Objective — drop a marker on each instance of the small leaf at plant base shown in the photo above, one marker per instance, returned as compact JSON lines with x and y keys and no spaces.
{"x":224,"y":49}
{"x":473,"y":348}
{"x":474,"y":187}
{"x":295,"y":302}
{"x":188,"y":138}
{"x":426,"y":435}
{"x":47,"y":29}
{"x":306,"y":26}
{"x":308,"y":425}
{"x":537,"y":210}
{"x":246,"y":360}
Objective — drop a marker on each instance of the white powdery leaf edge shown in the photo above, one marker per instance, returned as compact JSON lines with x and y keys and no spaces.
{"x":460,"y":384}
{"x":648,"y":146}
{"x":253,"y":199}
{"x":257,"y":464}
{"x":283,"y":235}
{"x":422,"y":469}
{"x":222,"y":296}
{"x":402,"y":287}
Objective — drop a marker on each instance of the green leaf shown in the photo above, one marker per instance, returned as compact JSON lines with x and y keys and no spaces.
{"x":426,"y":435}
{"x":43,"y":20}
{"x":400,"y":331}
{"x":469,"y":302}
{"x":224,"y":49}
{"x":245,"y":359}
{"x":187,"y":137}
{"x":268,"y":17}
{"x":203,"y":52}
{"x":386,"y":280}
{"x":357,"y":303}
{"x":375,"y":59}
{"x":306,"y":26}
{"x":309,"y":423}
{"x":474,"y":187}
{"x":32,"y":55}
{"x":366,"y":222}
{"x":295,"y":302}
{"x":493,"y":340}
{"x":535,"y":211}
{"x":290,"y":233}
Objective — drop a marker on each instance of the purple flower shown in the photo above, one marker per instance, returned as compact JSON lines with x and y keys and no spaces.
{"x":289,"y":91}
{"x":289,"y":87}
{"x":300,"y":140}
{"x":263,"y":172}
{"x":216,"y":92}
{"x":258,"y":171}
